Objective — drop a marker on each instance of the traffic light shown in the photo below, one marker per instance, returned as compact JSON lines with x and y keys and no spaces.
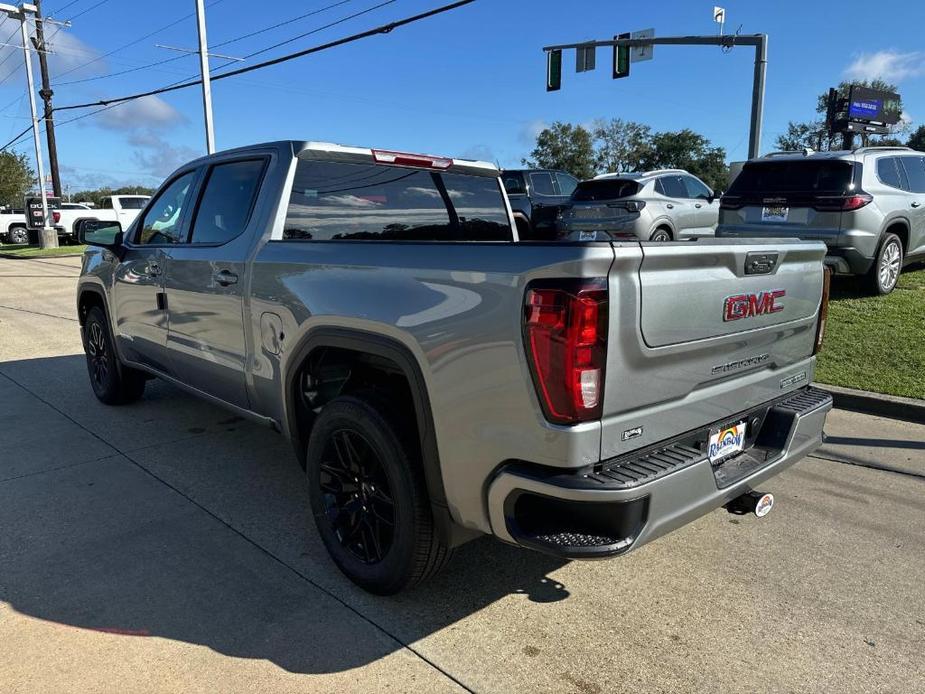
{"x":621,"y":58}
{"x":553,"y":70}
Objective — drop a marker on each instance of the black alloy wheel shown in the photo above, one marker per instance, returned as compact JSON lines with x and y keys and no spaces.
{"x":356,"y":495}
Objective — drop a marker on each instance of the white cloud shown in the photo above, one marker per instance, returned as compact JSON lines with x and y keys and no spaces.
{"x":157,"y":155}
{"x":529,"y":131}
{"x":69,"y":54}
{"x":149,"y":112}
{"x":889,"y":65}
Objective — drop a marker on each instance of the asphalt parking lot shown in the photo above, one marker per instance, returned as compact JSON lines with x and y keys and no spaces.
{"x":167,"y":545}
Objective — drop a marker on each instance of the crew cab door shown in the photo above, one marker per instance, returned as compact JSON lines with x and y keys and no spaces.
{"x":138,"y":302}
{"x":206,"y":283}
{"x":546,"y":200}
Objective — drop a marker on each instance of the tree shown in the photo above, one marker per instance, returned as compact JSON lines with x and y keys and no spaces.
{"x":621,"y":145}
{"x":16,"y":178}
{"x":564,"y":146}
{"x":917,"y":139}
{"x":690,"y":151}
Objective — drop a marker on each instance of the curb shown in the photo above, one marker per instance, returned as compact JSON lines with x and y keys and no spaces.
{"x":13,"y":256}
{"x":890,"y":406}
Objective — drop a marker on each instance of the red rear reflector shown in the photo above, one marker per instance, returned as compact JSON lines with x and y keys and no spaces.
{"x":56,"y":216}
{"x":424,"y":161}
{"x":565,"y":331}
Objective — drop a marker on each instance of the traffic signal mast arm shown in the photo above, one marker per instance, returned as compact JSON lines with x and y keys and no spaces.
{"x":759,"y":41}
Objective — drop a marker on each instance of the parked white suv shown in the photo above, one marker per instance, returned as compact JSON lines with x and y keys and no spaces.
{"x":661,"y":205}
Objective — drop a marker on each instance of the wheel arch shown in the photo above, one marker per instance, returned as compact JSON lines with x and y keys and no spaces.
{"x":382,"y":347}
{"x":899,"y":226}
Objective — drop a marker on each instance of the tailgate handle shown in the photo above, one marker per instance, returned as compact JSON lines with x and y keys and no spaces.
{"x":760,"y":263}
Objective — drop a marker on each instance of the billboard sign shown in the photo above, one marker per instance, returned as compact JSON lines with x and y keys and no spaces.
{"x":872,"y":105}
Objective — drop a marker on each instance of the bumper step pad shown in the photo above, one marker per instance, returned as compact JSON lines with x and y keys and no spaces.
{"x":638,"y":468}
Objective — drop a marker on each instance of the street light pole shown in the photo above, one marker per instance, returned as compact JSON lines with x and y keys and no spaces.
{"x":48,"y":237}
{"x":204,"y":69}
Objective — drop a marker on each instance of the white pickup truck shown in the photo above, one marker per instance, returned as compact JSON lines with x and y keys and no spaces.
{"x":115,"y":208}
{"x":13,"y":226}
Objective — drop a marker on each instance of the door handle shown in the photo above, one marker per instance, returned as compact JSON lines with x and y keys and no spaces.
{"x":225,"y":277}
{"x":669,"y":206}
{"x":154,"y":268}
{"x":697,"y":205}
{"x":916,"y":204}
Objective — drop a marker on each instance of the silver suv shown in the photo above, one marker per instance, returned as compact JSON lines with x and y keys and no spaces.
{"x":662,"y":205}
{"x":867,"y":205}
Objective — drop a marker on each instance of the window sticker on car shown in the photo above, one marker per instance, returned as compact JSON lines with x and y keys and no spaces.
{"x":774,"y":213}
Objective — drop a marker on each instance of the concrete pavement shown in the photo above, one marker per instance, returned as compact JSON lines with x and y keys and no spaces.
{"x":167,"y":545}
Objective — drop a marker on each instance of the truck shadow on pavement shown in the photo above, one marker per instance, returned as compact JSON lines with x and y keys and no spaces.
{"x":172,"y":518}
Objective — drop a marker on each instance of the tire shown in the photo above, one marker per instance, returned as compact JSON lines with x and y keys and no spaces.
{"x":18,"y":235}
{"x":884,"y":274}
{"x":661,"y":235}
{"x":112,"y":383}
{"x":369,"y":499}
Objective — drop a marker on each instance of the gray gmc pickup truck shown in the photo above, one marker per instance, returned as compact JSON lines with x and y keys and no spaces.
{"x":440,"y":379}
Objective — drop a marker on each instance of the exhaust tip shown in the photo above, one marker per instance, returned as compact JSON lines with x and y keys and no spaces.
{"x":759,"y":503}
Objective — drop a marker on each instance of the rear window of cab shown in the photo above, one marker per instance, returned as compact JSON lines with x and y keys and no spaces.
{"x":334,"y":201}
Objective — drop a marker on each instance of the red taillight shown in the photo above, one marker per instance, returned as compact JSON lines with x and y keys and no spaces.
{"x":56,"y":216}
{"x":823,"y":309}
{"x":842,"y":203}
{"x":425,"y":161}
{"x":565,"y":330}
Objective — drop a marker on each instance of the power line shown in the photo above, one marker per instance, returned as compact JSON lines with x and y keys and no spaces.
{"x":92,"y":7}
{"x":62,"y":9}
{"x":132,"y":43}
{"x":382,"y":29}
{"x":217,"y":45}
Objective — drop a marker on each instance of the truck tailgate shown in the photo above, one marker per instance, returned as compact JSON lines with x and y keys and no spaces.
{"x":693,"y":338}
{"x":691,"y":292}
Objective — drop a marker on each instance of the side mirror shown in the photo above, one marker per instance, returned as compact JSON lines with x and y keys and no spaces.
{"x":715,"y":195}
{"x":94,"y":232}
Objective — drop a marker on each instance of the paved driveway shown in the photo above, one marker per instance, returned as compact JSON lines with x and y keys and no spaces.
{"x":167,"y":545}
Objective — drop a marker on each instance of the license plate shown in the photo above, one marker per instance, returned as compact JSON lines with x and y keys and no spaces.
{"x":775,"y":213}
{"x":726,"y":442}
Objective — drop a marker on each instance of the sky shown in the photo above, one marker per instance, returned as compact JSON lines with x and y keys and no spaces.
{"x":469,"y":83}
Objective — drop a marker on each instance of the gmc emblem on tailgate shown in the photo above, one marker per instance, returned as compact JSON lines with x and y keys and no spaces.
{"x":748,"y":305}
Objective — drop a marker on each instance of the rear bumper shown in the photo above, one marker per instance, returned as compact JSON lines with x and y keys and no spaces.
{"x":605,"y":229}
{"x":848,"y":261}
{"x":623,"y":503}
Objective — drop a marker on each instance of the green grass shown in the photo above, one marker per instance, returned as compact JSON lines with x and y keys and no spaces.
{"x":876,"y":343}
{"x":25,"y":251}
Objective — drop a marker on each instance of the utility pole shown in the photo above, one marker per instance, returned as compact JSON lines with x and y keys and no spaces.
{"x":45,"y":92}
{"x":204,"y":69}
{"x":48,"y":237}
{"x":759,"y":41}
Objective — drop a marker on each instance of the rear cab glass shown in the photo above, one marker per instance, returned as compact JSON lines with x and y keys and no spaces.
{"x":605,"y":189}
{"x":793,"y":180}
{"x":133,"y":203}
{"x":337,"y":201}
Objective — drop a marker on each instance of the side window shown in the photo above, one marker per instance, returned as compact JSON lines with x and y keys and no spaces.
{"x":673,"y":187}
{"x":567,"y":184}
{"x":227,"y":201}
{"x":162,"y":222}
{"x":888,"y":172}
{"x":514,"y":184}
{"x":107,"y":204}
{"x":695,"y":189}
{"x":542,"y":184}
{"x":915,"y":172}
{"x":659,"y":188}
